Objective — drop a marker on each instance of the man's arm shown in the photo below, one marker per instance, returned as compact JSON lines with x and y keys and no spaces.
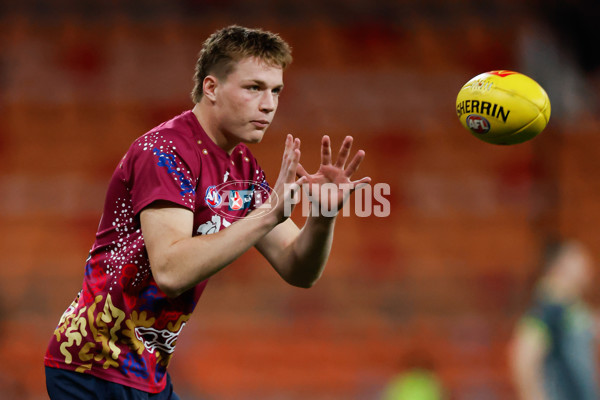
{"x":180,"y":261}
{"x":300,"y":255}
{"x":529,"y":349}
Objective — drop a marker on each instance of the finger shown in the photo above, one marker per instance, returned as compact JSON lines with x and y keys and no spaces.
{"x":354,"y":185}
{"x":288,"y":140}
{"x":302,"y":181}
{"x":286,"y":149}
{"x":292,"y":166}
{"x":344,"y":152}
{"x":289,"y":143}
{"x":301,"y":172}
{"x":326,"y":150}
{"x":362,"y":181}
{"x":354,"y":163}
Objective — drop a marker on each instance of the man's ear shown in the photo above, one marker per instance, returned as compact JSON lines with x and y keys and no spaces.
{"x":209,"y":87}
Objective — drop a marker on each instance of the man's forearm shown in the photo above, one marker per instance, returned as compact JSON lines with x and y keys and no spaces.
{"x":310,"y":251}
{"x":184,"y":263}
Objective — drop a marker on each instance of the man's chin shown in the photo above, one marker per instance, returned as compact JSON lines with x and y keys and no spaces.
{"x":255,"y":137}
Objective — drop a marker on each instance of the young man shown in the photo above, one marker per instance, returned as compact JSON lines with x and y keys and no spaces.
{"x":554,"y":351}
{"x":160,"y":239}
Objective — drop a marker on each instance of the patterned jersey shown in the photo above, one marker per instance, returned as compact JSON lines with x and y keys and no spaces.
{"x":121,"y":327}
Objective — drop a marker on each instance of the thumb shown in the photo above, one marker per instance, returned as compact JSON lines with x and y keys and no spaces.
{"x":302,"y":180}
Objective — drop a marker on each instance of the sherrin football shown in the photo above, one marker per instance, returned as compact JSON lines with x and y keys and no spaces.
{"x":503,"y":107}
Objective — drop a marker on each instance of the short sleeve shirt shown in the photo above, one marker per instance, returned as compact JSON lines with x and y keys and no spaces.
{"x":121,"y":327}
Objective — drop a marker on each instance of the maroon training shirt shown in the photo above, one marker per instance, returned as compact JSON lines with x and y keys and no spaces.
{"x":121,"y":327}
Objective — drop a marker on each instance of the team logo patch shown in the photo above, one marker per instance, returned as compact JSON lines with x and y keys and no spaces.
{"x":213,"y":197}
{"x":478,"y":124}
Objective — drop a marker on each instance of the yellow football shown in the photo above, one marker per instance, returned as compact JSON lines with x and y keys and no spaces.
{"x":503,"y":107}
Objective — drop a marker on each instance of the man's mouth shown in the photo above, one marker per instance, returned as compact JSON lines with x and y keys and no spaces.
{"x":260,"y":123}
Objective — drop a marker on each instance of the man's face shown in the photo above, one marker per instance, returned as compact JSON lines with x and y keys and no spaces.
{"x":577,"y":267}
{"x":246,"y":100}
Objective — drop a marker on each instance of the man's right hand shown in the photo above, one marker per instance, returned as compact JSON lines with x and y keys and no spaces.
{"x":286,"y":186}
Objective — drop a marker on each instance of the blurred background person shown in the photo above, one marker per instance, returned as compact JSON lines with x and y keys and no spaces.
{"x":553,"y":356}
{"x":419,"y":380}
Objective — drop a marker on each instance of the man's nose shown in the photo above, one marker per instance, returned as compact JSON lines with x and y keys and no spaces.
{"x":268,"y":102}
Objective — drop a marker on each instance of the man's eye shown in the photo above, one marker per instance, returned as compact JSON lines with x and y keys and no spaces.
{"x":254,"y":88}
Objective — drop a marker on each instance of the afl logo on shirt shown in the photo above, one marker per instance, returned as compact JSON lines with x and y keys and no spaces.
{"x":240,"y":199}
{"x":213,"y":198}
{"x":236,"y":202}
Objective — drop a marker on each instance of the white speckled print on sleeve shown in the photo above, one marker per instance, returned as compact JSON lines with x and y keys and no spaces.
{"x":162,"y":165}
{"x":125,"y":248}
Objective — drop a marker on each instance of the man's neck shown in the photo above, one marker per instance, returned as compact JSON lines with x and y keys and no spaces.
{"x":209,"y":123}
{"x":559,"y":291}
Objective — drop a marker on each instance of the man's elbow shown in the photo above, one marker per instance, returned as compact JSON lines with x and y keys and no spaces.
{"x":171,"y":293}
{"x":169,"y":290}
{"x":167,"y":284}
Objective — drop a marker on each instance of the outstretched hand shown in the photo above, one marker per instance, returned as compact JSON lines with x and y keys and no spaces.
{"x":286,"y":187}
{"x":331,"y":186}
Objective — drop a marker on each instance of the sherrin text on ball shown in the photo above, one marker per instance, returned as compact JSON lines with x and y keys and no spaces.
{"x":503,"y":107}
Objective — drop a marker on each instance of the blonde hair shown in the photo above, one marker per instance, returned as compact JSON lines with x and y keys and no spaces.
{"x":227,"y":46}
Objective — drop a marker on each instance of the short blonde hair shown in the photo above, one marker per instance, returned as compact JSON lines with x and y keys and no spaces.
{"x":227,"y":46}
